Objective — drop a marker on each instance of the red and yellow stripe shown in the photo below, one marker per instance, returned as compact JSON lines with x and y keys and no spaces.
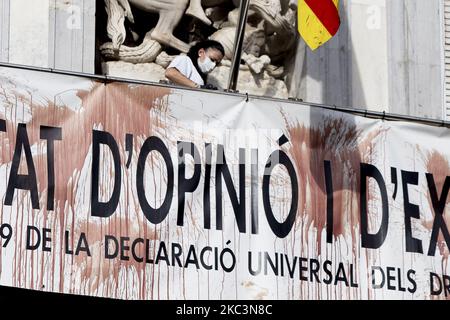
{"x":318,"y":21}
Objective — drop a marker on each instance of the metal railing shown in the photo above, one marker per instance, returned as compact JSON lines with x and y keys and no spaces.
{"x":245,"y":96}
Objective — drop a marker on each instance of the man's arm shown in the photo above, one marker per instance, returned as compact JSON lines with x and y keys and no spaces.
{"x":178,"y":78}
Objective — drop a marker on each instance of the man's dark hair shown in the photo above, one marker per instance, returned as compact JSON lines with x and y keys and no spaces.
{"x":206,"y":44}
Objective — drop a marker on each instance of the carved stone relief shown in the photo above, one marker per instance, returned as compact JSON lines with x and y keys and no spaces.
{"x":269,"y":39}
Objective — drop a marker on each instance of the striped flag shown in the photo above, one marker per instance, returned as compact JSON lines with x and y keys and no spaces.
{"x":318,"y":21}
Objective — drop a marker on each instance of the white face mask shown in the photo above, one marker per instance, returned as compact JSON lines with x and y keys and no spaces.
{"x":207,"y":65}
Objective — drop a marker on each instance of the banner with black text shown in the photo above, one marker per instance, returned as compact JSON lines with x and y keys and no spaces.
{"x":134,"y":191}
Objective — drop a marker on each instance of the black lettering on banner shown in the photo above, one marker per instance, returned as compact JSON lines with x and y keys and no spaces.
{"x":186,"y":185}
{"x":34,"y":237}
{"x":390,"y":278}
{"x":162,"y":253}
{"x":203,"y":261}
{"x":216,"y":258}
{"x":129,"y":148}
{"x":33,"y":245}
{"x":438,"y":207}
{"x":291,"y":268}
{"x":191,"y":257}
{"x":222,"y":170}
{"x":281,"y":230}
{"x":329,"y":187}
{"x":154,"y":215}
{"x":104,"y":209}
{"x":51,"y":134}
{"x":353,"y":277}
{"x":400,"y":277}
{"x":314,"y":269}
{"x":327,"y":267}
{"x":114,"y":254}
{"x":383,"y":277}
{"x":148,"y":258}
{"x":373,"y":241}
{"x":2,"y":125}
{"x":124,"y":248}
{"x":411,"y":211}
{"x":22,"y":181}
{"x":134,"y":250}
{"x":177,"y":251}
{"x":6,"y":232}
{"x":273,"y":263}
{"x":206,"y":187}
{"x":394,"y":181}
{"x":433,"y":290}
{"x":254,"y":192}
{"x":340,"y":275}
{"x":230,"y":254}
{"x":67,"y":249}
{"x":412,"y":280}
{"x":303,"y":268}
{"x":82,"y":244}
{"x":252,"y":271}
{"x":446,"y":280}
{"x":46,"y":240}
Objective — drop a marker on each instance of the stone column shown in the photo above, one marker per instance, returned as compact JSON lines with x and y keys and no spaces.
{"x":72,"y":35}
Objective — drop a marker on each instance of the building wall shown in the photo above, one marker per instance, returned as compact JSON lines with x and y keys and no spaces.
{"x":385,"y":57}
{"x":57,"y":34}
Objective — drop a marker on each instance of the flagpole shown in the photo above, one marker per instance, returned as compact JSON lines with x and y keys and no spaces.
{"x":238,"y":43}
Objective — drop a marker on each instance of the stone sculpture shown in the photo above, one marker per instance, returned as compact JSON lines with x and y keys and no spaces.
{"x":170,"y":13}
{"x":270,"y":37}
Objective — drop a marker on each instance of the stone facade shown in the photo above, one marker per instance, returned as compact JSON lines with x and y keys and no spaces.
{"x":387,"y":56}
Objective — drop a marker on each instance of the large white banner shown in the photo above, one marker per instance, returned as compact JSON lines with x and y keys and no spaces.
{"x":144,"y":192}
